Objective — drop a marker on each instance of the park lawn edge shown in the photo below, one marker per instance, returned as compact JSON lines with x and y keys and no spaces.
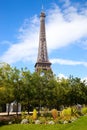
{"x":79,"y":124}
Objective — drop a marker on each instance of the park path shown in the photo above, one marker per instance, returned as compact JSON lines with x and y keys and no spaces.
{"x":11,"y":113}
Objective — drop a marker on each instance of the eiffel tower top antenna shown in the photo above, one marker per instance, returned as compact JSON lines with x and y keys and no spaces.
{"x":42,"y":8}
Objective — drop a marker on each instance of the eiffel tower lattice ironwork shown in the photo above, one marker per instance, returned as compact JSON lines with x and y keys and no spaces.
{"x":42,"y":59}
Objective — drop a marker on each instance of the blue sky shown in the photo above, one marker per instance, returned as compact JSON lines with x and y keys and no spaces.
{"x":66,"y":34}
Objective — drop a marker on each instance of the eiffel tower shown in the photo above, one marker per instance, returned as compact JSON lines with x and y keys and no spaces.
{"x":42,"y":59}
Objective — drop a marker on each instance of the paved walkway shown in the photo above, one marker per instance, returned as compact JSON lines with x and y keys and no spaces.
{"x":11,"y":113}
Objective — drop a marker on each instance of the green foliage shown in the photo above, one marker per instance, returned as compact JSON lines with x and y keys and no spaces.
{"x":84,"y":110}
{"x":23,"y":114}
{"x":66,"y":112}
{"x":43,"y":120}
{"x":34,"y":90}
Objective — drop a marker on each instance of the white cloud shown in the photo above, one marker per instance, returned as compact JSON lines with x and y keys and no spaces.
{"x":60,"y":76}
{"x":68,"y":62}
{"x":63,"y":27}
{"x":26,"y":47}
{"x":84,"y":79}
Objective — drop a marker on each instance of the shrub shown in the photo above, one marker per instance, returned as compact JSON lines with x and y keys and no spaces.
{"x":46,"y":112}
{"x":54,"y":113}
{"x":84,"y":110}
{"x":66,"y":112}
{"x":30,"y":118}
{"x":23,"y":115}
{"x":43,"y":120}
{"x":34,"y":114}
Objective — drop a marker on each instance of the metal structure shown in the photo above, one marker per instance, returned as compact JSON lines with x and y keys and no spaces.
{"x":42,"y":59}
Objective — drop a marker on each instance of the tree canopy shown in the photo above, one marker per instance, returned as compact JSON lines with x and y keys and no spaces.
{"x":35,"y":90}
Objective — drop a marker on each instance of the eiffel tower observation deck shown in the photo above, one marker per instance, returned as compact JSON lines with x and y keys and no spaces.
{"x":42,"y":59}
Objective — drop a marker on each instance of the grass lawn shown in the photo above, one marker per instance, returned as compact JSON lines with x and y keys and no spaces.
{"x":79,"y":124}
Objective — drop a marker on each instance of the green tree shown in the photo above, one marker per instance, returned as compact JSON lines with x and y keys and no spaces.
{"x":27,"y":89}
{"x":6,"y":84}
{"x":17,"y":86}
{"x":75,"y":94}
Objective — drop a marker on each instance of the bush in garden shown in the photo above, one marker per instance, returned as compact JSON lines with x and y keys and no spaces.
{"x":66,"y":112}
{"x":27,"y":117}
{"x":31,"y":120}
{"x":84,"y":110}
{"x":43,"y":120}
{"x":34,"y":114}
{"x":54,"y":113}
{"x":46,"y":112}
{"x":23,"y":115}
{"x":75,"y":111}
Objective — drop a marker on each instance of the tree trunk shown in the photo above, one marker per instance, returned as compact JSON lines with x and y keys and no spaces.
{"x":17,"y":110}
{"x":28,"y":106}
{"x":8,"y":108}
